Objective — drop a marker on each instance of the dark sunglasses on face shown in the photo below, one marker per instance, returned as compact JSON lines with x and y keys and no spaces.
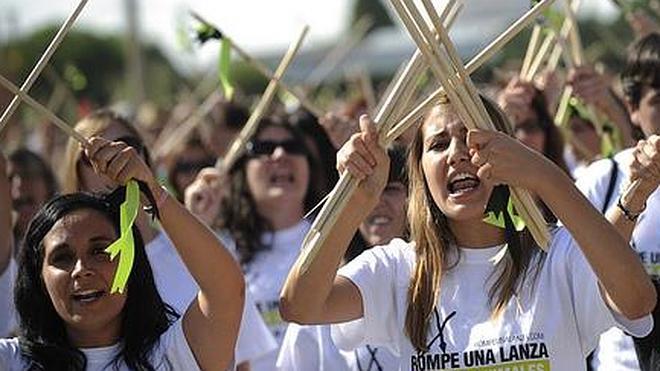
{"x":267,"y":147}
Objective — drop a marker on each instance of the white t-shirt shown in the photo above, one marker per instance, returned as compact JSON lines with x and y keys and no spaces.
{"x":311,"y":348}
{"x":171,"y":353}
{"x":7,"y":310}
{"x":551,"y":325}
{"x":265,"y":276}
{"x":178,"y":288}
{"x":616,"y":350}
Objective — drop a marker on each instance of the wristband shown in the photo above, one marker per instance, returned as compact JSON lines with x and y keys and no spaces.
{"x":630,"y":215}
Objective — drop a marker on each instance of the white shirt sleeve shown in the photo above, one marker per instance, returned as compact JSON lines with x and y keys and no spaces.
{"x":7,"y":310}
{"x":175,"y":348}
{"x":299,"y":349}
{"x":593,"y":316}
{"x":374,"y":273}
{"x":254,"y":338}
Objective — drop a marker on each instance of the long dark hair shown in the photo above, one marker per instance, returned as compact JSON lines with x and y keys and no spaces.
{"x":239,"y":214}
{"x":42,"y":334}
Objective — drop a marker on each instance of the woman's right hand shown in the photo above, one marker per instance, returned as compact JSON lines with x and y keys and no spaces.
{"x":203,"y":196}
{"x":364,"y":158}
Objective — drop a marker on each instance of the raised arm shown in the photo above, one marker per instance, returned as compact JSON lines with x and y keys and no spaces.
{"x":627,"y":288}
{"x":211,"y":322}
{"x":593,"y":88}
{"x":6,"y":235}
{"x":645,"y":168}
{"x":319,"y":295}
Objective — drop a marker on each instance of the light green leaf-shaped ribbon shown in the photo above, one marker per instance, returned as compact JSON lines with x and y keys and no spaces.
{"x":223,"y":68}
{"x":125,"y":246}
{"x":498,"y":219}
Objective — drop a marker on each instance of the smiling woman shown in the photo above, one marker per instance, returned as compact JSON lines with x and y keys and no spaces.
{"x":69,"y":319}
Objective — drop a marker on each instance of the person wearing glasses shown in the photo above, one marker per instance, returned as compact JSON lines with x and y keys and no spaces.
{"x":174,"y":281}
{"x":265,"y":195}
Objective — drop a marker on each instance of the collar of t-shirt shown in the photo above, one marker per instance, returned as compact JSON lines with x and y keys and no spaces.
{"x":485,"y":255}
{"x":284,"y":238}
{"x":101,"y":356}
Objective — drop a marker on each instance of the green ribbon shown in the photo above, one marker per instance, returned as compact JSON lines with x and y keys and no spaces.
{"x":124,"y":247}
{"x":223,"y":68}
{"x":497,"y":218}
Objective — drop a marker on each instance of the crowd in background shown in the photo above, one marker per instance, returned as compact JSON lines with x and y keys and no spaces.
{"x":261,"y":208}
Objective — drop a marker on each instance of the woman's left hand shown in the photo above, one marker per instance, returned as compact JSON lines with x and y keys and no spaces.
{"x":118,"y":161}
{"x":504,"y":160}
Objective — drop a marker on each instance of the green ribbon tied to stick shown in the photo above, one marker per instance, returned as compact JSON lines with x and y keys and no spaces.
{"x":206,"y":32}
{"x":124,"y":247}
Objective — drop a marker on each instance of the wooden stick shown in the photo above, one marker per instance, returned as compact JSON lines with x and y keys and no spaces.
{"x":43,"y":61}
{"x":541,"y":55}
{"x":304,"y":101}
{"x":531,"y":50}
{"x":482,"y":57}
{"x":42,"y":110}
{"x":448,"y":17}
{"x":574,"y":35}
{"x":237,"y":147}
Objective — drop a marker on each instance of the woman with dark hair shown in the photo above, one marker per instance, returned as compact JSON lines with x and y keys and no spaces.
{"x":464,"y":293}
{"x":70,"y":320}
{"x":267,"y":193}
{"x":175,"y":283}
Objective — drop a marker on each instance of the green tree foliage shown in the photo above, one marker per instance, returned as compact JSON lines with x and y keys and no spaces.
{"x":92,"y":65}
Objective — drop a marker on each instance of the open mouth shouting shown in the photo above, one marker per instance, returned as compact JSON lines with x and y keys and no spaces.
{"x":462,"y":184}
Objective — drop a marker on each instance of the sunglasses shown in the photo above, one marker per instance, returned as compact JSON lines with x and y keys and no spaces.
{"x":257,"y":148}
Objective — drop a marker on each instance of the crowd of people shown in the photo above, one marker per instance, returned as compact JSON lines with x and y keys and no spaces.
{"x":409,"y":278}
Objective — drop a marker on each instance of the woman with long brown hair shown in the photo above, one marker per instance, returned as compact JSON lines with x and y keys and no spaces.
{"x":464,"y":293}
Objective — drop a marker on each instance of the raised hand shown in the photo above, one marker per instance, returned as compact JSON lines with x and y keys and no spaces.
{"x":516,"y":100}
{"x":203,"y":196}
{"x":590,"y":86}
{"x":118,"y":161}
{"x":645,"y":165}
{"x":364,"y":158}
{"x":504,"y":160}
